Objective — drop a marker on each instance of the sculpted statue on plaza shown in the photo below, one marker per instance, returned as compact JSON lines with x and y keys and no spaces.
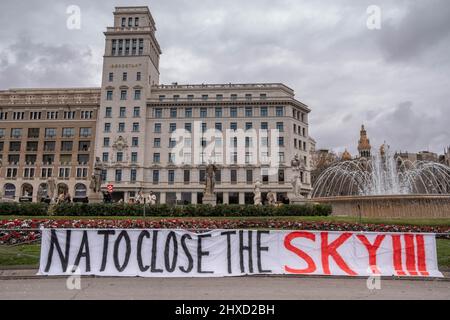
{"x":210,"y":178}
{"x":51,"y":187}
{"x":151,"y":198}
{"x":257,"y":193}
{"x":96,"y":177}
{"x":297,"y":166}
{"x":296,"y":186}
{"x":271,"y":198}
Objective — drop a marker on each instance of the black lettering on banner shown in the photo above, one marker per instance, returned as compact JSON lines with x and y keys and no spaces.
{"x":124,"y":235}
{"x":228,"y":234}
{"x":248,"y":248}
{"x":171,"y":267}
{"x":154,"y":252}
{"x":64,"y":258}
{"x":201,"y":253}
{"x":143,"y":234}
{"x":106,"y":234}
{"x":187,"y":253}
{"x":259,"y":248}
{"x":84,"y":252}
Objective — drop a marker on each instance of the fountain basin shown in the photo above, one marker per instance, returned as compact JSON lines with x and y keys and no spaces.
{"x":390,"y":206}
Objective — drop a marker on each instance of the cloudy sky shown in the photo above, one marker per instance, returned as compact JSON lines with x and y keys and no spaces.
{"x":395,"y":80}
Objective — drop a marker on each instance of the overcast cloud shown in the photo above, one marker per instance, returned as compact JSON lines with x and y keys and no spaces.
{"x":395,"y":80}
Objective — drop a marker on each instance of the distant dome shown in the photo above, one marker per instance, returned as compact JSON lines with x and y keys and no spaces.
{"x":346,"y":156}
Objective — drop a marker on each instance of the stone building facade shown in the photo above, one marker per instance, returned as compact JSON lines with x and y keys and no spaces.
{"x":159,"y":138}
{"x":47,"y":133}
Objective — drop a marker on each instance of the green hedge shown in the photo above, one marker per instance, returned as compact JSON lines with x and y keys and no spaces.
{"x":23,"y":209}
{"x":101,"y":209}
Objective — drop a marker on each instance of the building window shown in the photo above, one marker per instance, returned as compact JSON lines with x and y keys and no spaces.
{"x":248,"y":112}
{"x":124,"y":76}
{"x":28,"y":173}
{"x":248,"y":125}
{"x":106,"y":142}
{"x":233,"y":176}
{"x":137,"y":94}
{"x":134,"y":157}
{"x":204,"y":127}
{"x":218,"y":112}
{"x":118,"y":175}
{"x":85,"y":132}
{"x":108,"y":112}
{"x":233,"y":112}
{"x":69,"y":115}
{"x":33,"y":132}
{"x":121,"y":127}
{"x":82,"y":172}
{"x":16,"y":133}
{"x":138,"y":75}
{"x":233,"y":125}
{"x":218,"y":126}
{"x":280,"y":126}
{"x":135,"y":142}
{"x":68,"y":132}
{"x":11,"y":173}
{"x":187,"y":176}
{"x":66,"y":145}
{"x":172,"y":127}
{"x":249,"y":176}
{"x":157,"y":128}
{"x":109,"y":95}
{"x":263,"y":112}
{"x":171,"y":176}
{"x":155,"y":176}
{"x":171,"y":157}
{"x":133,"y":175}
{"x":279,"y":111}
{"x":172,"y":143}
{"x":111,"y":74}
{"x":203,"y":112}
{"x":123,"y":95}
{"x":173,"y":112}
{"x":87,"y":114}
{"x":156,"y":143}
{"x":122,"y":112}
{"x":188,"y":127}
{"x":156,"y":158}
{"x":265,"y":177}
{"x":46,"y":172}
{"x":280,"y":175}
{"x":135,"y":126}
{"x":281,"y":157}
{"x":105,"y":157}
{"x":188,"y":112}
{"x":136,"y":112}
{"x":158,"y":113}
{"x":64,"y":172}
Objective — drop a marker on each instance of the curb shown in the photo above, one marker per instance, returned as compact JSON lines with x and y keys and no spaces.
{"x":30,"y":274}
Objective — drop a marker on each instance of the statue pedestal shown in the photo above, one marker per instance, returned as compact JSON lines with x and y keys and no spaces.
{"x":209,"y":199}
{"x":293,"y":199}
{"x":95,"y":198}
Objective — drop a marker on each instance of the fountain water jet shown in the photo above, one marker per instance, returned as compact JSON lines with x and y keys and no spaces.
{"x":385,"y":185}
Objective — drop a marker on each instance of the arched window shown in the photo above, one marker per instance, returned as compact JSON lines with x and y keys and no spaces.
{"x":9,"y":191}
{"x":80,"y":190}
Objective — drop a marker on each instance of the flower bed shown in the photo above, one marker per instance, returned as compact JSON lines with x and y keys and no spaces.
{"x":23,"y":235}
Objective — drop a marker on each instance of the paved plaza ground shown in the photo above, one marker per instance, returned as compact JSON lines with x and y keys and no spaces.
{"x":23,"y":285}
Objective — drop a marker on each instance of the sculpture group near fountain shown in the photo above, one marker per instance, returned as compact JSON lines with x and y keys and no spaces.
{"x":382,"y":174}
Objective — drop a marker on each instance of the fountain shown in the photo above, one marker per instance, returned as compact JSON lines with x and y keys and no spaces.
{"x":385,"y":186}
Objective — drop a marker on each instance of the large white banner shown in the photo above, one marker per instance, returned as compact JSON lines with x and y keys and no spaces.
{"x":219,"y":253}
